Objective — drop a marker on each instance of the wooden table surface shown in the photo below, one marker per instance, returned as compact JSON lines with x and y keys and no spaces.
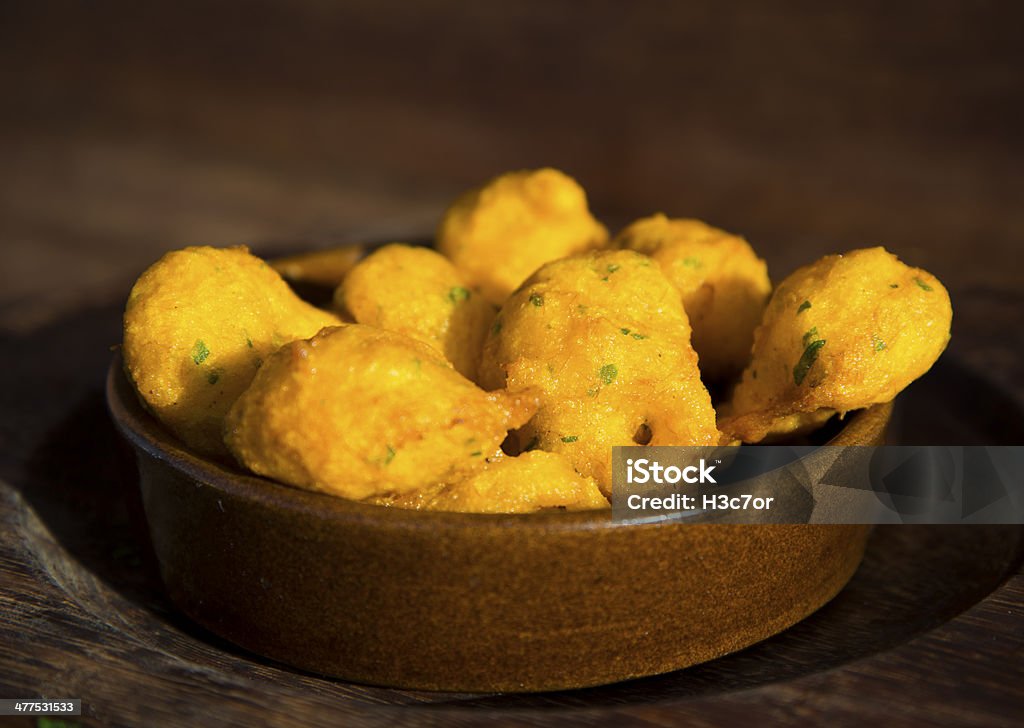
{"x":130,"y":129}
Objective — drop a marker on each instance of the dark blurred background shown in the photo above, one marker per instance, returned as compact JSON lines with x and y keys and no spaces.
{"x":129,"y":128}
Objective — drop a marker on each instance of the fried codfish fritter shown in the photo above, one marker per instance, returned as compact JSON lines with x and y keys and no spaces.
{"x":324,"y":268}
{"x":197,"y":326}
{"x":603,"y":337}
{"x":723,"y":284}
{"x":843,"y":333}
{"x":419,"y":293}
{"x":361,"y":412}
{"x":500,"y":233}
{"x":530,"y":482}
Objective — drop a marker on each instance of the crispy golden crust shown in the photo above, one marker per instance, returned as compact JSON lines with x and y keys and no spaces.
{"x":530,"y":482}
{"x":841,"y":334}
{"x":723,"y":284}
{"x":197,"y":326}
{"x":499,"y":234}
{"x":605,"y":341}
{"x":419,"y":293}
{"x":362,"y":412}
{"x":320,"y":267}
{"x":592,"y":348}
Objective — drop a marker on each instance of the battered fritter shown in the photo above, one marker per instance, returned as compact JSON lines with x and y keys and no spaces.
{"x":419,"y":293}
{"x":530,"y":482}
{"x":843,"y":333}
{"x":362,"y":412}
{"x":723,"y":284}
{"x":603,"y":337}
{"x":197,"y":326}
{"x":499,"y":234}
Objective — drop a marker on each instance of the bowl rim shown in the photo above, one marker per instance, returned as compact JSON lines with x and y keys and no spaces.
{"x":145,"y":433}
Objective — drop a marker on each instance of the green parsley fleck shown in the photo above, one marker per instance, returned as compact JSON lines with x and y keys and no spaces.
{"x":42,"y":722}
{"x":625,"y":332}
{"x":496,"y":329}
{"x":894,"y":285}
{"x":810,"y":336}
{"x":613,"y":267}
{"x":922,"y":285}
{"x":476,"y":454}
{"x":199,"y":352}
{"x":570,"y":438}
{"x":390,"y":456}
{"x":213,"y":377}
{"x":608,"y":373}
{"x":593,"y":391}
{"x":639,"y":336}
{"x":803,"y":307}
{"x":691,"y":262}
{"x":877,"y":343}
{"x":458,"y":294}
{"x":536,"y":299}
{"x":807,"y":360}
{"x":248,"y":342}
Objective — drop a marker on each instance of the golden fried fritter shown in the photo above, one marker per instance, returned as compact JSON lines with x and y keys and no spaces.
{"x":319,"y":267}
{"x":500,"y":233}
{"x":419,"y":293}
{"x":530,"y":482}
{"x":840,"y":334}
{"x":604,"y":338}
{"x":363,"y":412}
{"x":723,"y":284}
{"x":198,"y":324}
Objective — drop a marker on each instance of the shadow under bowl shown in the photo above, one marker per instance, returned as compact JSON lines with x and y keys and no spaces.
{"x":470,"y":602}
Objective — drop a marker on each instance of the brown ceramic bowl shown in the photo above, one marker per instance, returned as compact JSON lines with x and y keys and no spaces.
{"x":470,"y":602}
